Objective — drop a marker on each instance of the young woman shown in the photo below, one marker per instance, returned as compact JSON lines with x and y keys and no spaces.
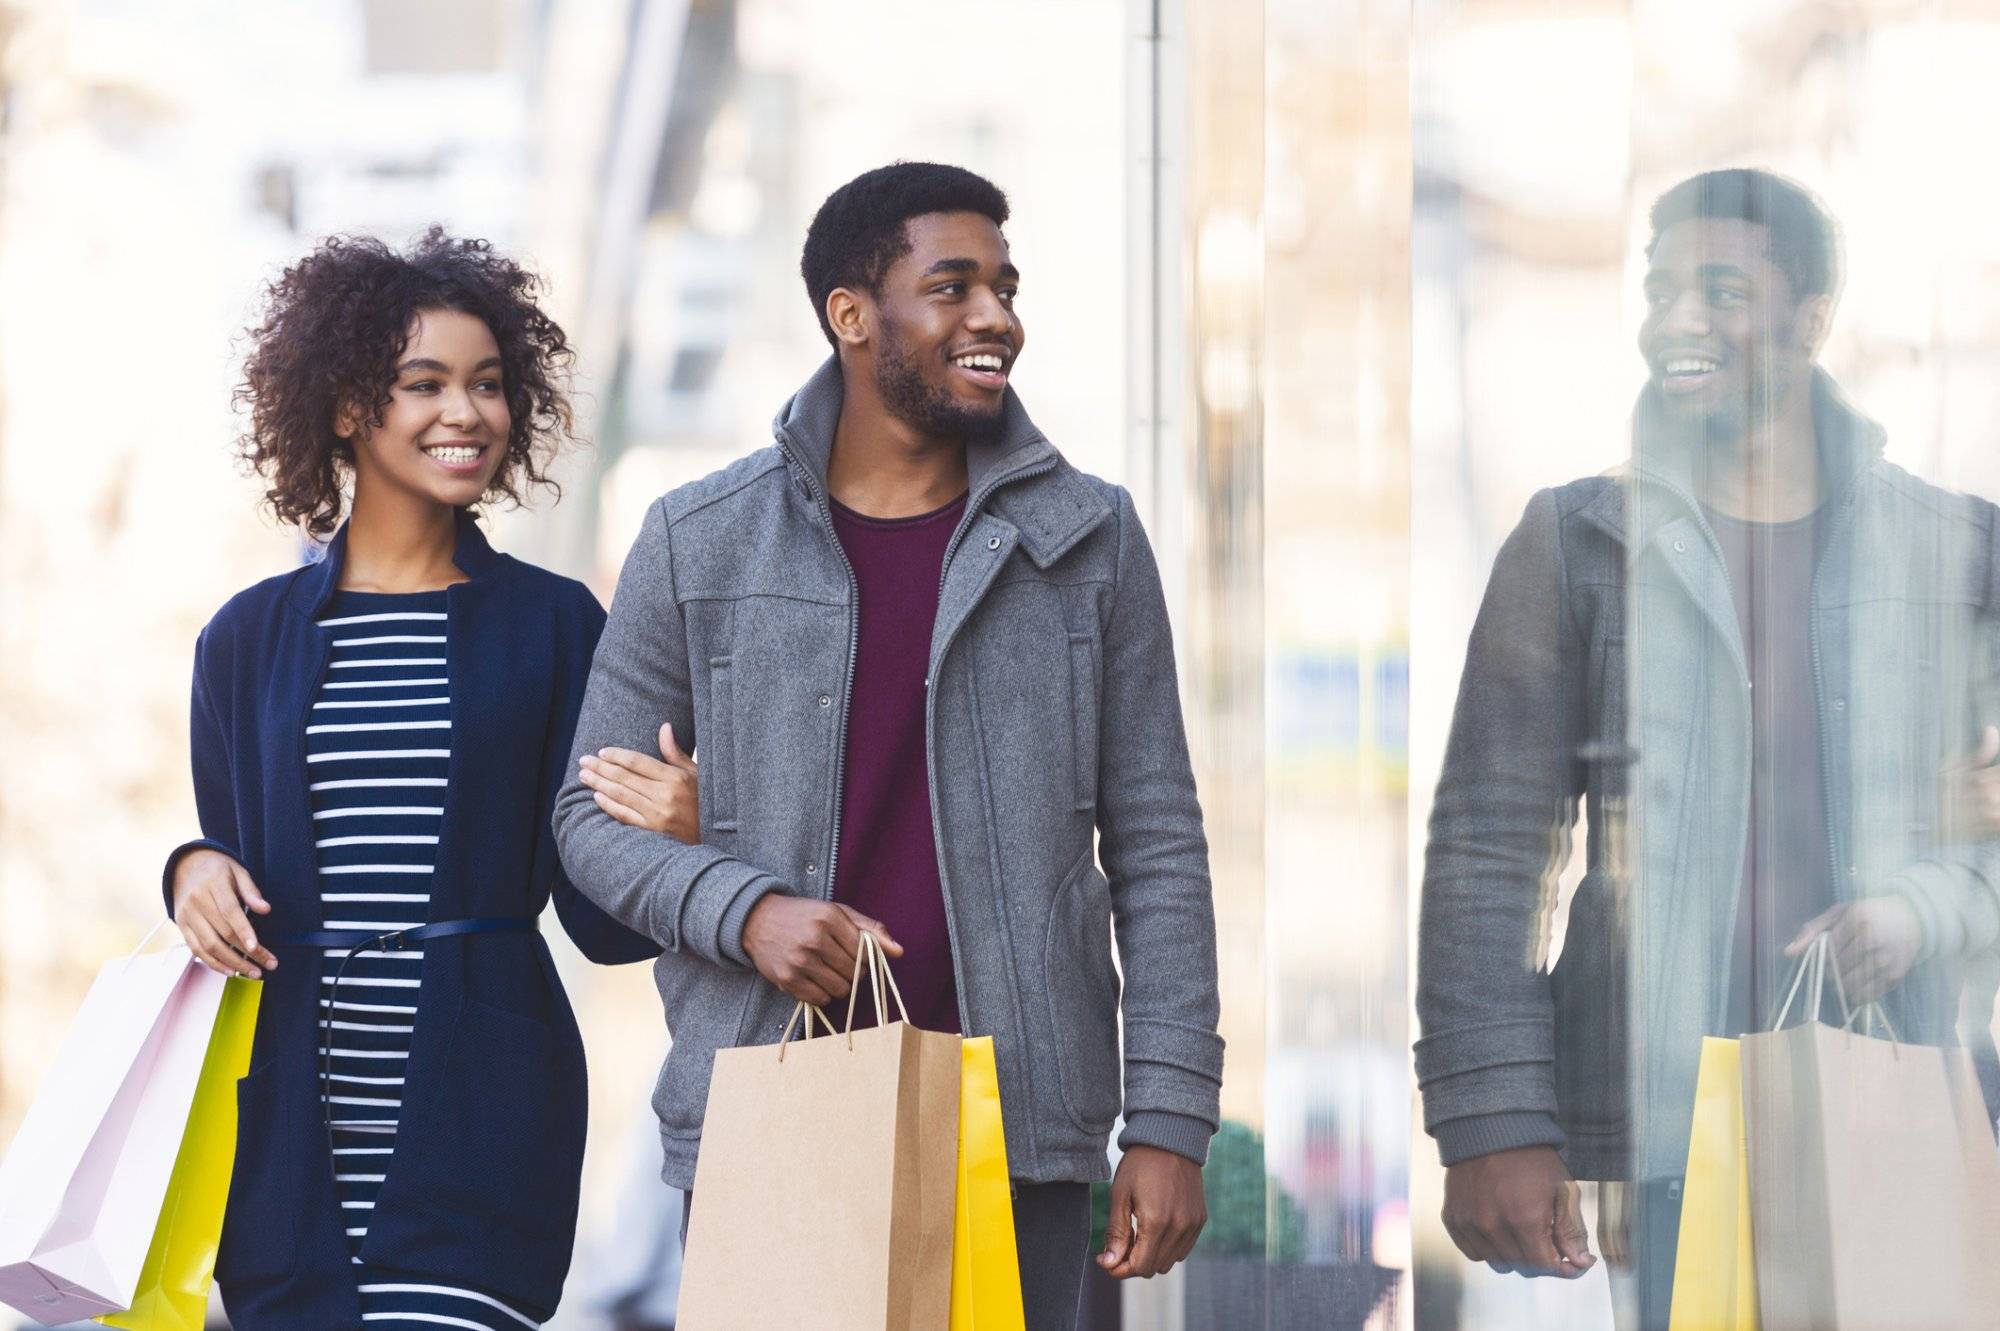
{"x":377,"y":739}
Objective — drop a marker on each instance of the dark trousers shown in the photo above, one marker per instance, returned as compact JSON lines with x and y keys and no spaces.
{"x":1655,"y":1242}
{"x":1052,"y":1238}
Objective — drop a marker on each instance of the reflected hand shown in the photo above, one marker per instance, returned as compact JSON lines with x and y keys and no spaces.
{"x":642,"y":791}
{"x":1874,"y":943}
{"x":1158,"y":1209}
{"x":1969,"y":789}
{"x":807,"y":947}
{"x":1519,"y":1211}
{"x":211,"y":894}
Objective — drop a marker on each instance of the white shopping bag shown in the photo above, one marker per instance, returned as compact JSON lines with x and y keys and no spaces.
{"x":82,"y":1183}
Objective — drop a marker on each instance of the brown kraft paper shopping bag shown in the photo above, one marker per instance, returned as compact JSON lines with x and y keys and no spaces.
{"x":827,"y":1181}
{"x":1874,"y":1181}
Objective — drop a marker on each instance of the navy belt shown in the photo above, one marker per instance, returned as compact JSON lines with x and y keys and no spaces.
{"x":358,"y":941}
{"x":396,"y":940}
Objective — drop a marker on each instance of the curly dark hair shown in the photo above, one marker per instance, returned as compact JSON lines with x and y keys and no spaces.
{"x":858,"y":232}
{"x":334,"y":326}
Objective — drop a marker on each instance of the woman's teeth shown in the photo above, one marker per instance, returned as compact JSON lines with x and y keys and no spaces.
{"x":454,"y":455}
{"x":1690,"y":365}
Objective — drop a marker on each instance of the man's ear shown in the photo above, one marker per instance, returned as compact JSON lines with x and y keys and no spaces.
{"x":849,"y":313}
{"x":1813,"y":322}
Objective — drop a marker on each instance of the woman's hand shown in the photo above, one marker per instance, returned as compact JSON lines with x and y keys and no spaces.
{"x":211,"y":893}
{"x":643,"y":791}
{"x":1970,"y":789}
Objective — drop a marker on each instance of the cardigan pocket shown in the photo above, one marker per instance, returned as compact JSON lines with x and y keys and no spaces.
{"x":500,"y":1094}
{"x":260,"y":1232}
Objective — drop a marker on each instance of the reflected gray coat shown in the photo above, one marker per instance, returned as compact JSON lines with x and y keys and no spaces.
{"x":1053,"y":718}
{"x":1614,"y":589}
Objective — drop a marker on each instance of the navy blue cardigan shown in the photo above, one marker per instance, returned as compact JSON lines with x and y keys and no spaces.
{"x":482,"y":1190}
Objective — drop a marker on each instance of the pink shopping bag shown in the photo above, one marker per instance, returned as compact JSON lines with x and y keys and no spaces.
{"x":82,"y":1183}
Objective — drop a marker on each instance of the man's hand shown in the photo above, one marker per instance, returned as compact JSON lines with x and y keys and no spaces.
{"x":1158,"y":1209}
{"x":640,"y":790}
{"x":807,"y":947}
{"x":211,"y":892}
{"x":1519,"y":1211}
{"x":1873,"y":942}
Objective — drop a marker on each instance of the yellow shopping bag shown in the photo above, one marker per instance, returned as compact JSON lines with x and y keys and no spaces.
{"x":173,"y":1286}
{"x":985,"y":1267}
{"x":1715,"y":1277}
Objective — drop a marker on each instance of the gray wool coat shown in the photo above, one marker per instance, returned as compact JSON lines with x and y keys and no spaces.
{"x":1063,"y":799}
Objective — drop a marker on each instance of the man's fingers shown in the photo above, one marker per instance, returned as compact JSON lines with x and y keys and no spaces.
{"x":873,"y":926}
{"x":670,"y":749}
{"x":1145,"y":1259}
{"x":1572,"y":1239}
{"x":1813,"y":928}
{"x":1118,"y":1231}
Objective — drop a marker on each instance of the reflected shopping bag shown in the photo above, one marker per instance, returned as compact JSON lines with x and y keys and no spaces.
{"x":1874,"y":1184}
{"x":1715,"y":1283}
{"x":825,"y":1189}
{"x":985,"y":1265}
{"x":82,"y":1184}
{"x":180,"y":1266}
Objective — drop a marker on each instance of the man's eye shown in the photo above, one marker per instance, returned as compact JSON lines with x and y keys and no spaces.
{"x":1725,"y":296}
{"x":951,"y":289}
{"x":1007,"y":296}
{"x":1656,"y":299}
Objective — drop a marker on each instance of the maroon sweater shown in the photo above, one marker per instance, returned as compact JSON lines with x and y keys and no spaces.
{"x":888,"y":858}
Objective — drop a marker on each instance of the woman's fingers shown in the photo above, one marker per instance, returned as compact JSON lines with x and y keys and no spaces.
{"x":623,"y":813}
{"x":631,"y":760}
{"x":234,"y":926}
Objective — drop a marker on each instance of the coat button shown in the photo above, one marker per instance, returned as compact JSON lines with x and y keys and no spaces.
{"x":825,"y":700}
{"x":993,"y":543}
{"x":812,"y":868}
{"x":1680,"y":547}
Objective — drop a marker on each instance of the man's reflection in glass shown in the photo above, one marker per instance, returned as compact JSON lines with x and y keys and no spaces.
{"x":1750,"y":654}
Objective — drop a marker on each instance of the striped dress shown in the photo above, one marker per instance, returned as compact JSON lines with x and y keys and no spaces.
{"x":378,"y":749}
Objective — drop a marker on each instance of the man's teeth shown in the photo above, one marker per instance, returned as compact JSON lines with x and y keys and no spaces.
{"x":454,"y":455}
{"x":981,"y":361}
{"x":1690,"y":365}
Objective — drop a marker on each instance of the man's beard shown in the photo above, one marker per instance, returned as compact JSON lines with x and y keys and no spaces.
{"x":926,"y":407}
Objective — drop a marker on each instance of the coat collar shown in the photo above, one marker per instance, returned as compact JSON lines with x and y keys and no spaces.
{"x":1849,"y":442}
{"x":1043,"y":496}
{"x":316,"y":582}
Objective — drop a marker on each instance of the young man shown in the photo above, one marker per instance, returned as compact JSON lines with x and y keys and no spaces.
{"x":1804,"y":633}
{"x":926,"y":661}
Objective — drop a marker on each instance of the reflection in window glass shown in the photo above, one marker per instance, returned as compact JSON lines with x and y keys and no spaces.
{"x":1706,"y":660}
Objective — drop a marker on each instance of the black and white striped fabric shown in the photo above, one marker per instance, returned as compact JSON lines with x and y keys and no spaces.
{"x":378,"y":750}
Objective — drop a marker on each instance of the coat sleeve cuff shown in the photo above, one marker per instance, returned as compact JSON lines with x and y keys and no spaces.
{"x":1463,"y":1139}
{"x":1179,"y":1133}
{"x":174,"y":858}
{"x":729,"y":933}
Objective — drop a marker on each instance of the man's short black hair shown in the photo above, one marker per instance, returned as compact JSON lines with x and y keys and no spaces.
{"x":1805,"y":240}
{"x":858,"y":232}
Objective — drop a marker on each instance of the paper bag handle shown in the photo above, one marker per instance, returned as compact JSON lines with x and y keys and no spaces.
{"x":878,"y":971}
{"x":1815,"y":960}
{"x":871,"y":955}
